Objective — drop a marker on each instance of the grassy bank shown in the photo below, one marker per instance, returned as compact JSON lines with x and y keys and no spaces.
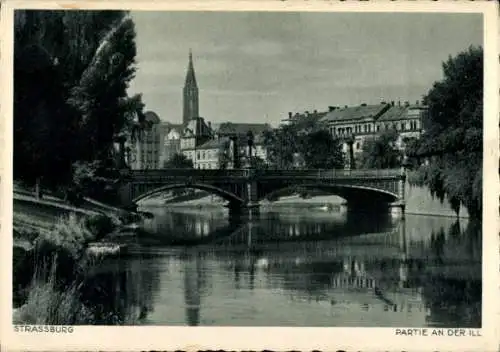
{"x":48,"y":277}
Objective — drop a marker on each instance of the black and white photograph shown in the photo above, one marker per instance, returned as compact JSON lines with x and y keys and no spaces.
{"x":294,"y":169}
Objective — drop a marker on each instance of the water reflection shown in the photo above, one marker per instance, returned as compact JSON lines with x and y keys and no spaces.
{"x":301,"y":269}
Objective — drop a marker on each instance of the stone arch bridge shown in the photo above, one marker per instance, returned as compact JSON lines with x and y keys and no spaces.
{"x":247,"y":187}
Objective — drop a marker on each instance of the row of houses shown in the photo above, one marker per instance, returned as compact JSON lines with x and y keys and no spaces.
{"x":211,"y":146}
{"x":359,"y":123}
{"x":207,"y":146}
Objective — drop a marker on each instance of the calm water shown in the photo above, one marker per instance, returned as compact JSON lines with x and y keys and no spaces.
{"x":295,"y":267}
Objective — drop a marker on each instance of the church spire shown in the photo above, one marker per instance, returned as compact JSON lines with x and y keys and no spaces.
{"x":190,"y":76}
{"x":190,"y":93}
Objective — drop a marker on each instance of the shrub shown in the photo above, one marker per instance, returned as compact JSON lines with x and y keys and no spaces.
{"x":100,"y":225}
{"x":46,"y":304}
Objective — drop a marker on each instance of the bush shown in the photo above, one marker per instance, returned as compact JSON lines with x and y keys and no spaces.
{"x":46,"y":304}
{"x":100,"y":225}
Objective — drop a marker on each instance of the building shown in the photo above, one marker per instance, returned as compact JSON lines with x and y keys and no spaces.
{"x":190,"y":94}
{"x":242,"y":132}
{"x":195,"y":134}
{"x":357,"y":124}
{"x":209,"y":155}
{"x":171,"y":143}
{"x":145,"y":148}
{"x":405,"y":119}
{"x":304,"y":121}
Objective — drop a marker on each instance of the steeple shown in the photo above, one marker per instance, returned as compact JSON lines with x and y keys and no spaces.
{"x":190,"y":93}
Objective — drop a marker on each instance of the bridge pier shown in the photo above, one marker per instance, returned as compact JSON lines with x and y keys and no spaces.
{"x":398,"y":209}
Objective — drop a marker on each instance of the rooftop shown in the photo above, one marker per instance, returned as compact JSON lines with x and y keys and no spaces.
{"x":214,"y":143}
{"x":355,"y":112}
{"x":306,"y":119}
{"x":226,"y":128}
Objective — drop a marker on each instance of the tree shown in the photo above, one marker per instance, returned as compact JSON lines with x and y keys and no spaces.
{"x":282,"y":146}
{"x":71,"y":71}
{"x":100,"y":95}
{"x":453,"y":137}
{"x":321,"y":151}
{"x":179,"y":161}
{"x":381,"y":152}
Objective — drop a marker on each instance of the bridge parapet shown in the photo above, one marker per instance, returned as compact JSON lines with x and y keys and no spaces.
{"x":243,"y":173}
{"x":190,"y":172}
{"x":332,"y":174}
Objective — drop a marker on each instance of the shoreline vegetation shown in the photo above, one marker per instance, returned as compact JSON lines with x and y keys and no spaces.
{"x":52,"y":253}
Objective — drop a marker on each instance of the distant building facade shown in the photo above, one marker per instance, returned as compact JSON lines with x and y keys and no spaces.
{"x":171,"y":144}
{"x":195,"y":134}
{"x":357,"y":124}
{"x":146,"y":146}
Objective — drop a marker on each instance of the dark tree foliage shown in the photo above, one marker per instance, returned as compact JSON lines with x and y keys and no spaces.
{"x":381,"y":152}
{"x":453,"y":137}
{"x":282,"y":145}
{"x":314,"y":148}
{"x":179,"y":161}
{"x":71,"y":72}
{"x":320,"y":151}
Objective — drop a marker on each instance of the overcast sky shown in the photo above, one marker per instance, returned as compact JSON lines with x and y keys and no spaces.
{"x":255,"y":67}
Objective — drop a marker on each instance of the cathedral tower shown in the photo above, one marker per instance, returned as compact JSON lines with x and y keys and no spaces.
{"x":190,"y":94}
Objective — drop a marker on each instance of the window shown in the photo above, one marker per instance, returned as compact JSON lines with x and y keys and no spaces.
{"x":198,"y":155}
{"x":378,"y":128}
{"x":358,"y":146}
{"x":369,"y":128}
{"x":403,"y":127}
{"x":203,"y":155}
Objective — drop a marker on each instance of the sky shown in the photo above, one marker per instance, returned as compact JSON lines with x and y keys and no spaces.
{"x":258,"y":66}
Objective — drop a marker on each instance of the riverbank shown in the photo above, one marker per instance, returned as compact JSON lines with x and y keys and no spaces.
{"x":54,"y":244}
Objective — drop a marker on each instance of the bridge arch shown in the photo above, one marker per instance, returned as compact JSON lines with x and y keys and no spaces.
{"x":229,"y":196}
{"x":351,"y":193}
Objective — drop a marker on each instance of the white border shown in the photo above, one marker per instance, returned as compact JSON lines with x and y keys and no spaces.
{"x":232,"y":338}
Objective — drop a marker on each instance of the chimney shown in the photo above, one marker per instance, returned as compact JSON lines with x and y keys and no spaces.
{"x":399,"y":102}
{"x":290,"y":115}
{"x":209,"y":124}
{"x":331,"y":108}
{"x":392,"y":103}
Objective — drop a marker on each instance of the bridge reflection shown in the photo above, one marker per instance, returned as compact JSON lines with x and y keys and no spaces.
{"x":249,"y":276}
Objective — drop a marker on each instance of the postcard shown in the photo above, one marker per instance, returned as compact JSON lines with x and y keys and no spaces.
{"x":266,"y":175}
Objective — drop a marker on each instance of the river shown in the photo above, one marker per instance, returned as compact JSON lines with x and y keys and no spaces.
{"x":294,"y":267}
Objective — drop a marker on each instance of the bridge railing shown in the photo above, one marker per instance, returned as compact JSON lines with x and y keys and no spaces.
{"x":333,"y":173}
{"x":239,"y":173}
{"x":196,"y":173}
